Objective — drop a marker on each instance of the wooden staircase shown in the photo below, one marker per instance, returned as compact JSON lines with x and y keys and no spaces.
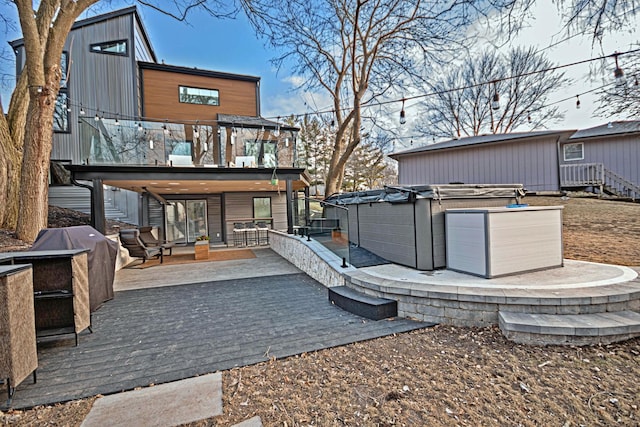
{"x":595,"y":175}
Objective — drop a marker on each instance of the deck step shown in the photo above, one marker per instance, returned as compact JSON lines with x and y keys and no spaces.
{"x":578,"y":329}
{"x":363,"y":305}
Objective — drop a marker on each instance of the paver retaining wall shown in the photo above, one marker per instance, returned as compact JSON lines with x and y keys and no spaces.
{"x":311,"y":257}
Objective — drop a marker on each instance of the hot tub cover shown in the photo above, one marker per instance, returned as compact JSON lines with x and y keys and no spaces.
{"x":408,"y":194}
{"x":101,"y":257}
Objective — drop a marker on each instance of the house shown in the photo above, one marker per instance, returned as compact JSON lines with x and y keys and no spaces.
{"x":179,"y":148}
{"x":600,"y":159}
{"x":604,"y":158}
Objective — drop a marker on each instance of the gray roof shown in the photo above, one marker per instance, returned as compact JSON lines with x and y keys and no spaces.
{"x":609,"y":129}
{"x":250,"y":122}
{"x":481,"y":139}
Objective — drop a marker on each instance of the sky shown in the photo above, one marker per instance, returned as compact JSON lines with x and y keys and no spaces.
{"x":232,"y":46}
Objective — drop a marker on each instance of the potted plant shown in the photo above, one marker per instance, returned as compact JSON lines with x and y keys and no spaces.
{"x":201,"y":247}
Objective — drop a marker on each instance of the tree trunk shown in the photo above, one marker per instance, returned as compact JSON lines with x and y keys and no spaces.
{"x":11,"y":138}
{"x":35,"y":165}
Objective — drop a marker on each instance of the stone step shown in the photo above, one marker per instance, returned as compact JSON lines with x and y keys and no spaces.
{"x":577,"y":329}
{"x":363,"y":305}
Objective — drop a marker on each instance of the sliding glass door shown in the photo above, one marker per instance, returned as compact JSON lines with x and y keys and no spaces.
{"x":186,"y":220}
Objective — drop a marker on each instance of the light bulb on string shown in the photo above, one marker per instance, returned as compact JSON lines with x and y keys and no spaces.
{"x":577,"y":102}
{"x":618,"y":74}
{"x":97,"y":117}
{"x":151,"y":144}
{"x":165,"y":129}
{"x":140,"y":128}
{"x":82,"y":113}
{"x":196,"y":132}
{"x":116,"y":123}
{"x":403,"y":117}
{"x":529,"y":116}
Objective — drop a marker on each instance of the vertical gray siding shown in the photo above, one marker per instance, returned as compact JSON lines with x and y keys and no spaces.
{"x":239,"y":206}
{"x":388,"y":231}
{"x":620,"y":154}
{"x":214,"y":217}
{"x":532,"y":163}
{"x":92,"y":80}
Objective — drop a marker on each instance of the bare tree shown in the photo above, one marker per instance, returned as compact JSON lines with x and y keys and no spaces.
{"x":358,"y":50}
{"x":366,"y":169}
{"x":26,"y":131}
{"x":598,"y":16}
{"x":622,"y":97}
{"x":463,"y":98}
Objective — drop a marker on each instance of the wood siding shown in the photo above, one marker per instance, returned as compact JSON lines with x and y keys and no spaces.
{"x":93,"y":82}
{"x":161,"y":96}
{"x":619,"y":154}
{"x":532,"y":163}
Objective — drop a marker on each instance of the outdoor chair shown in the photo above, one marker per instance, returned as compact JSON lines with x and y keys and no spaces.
{"x":150,"y":240}
{"x":130,"y":239}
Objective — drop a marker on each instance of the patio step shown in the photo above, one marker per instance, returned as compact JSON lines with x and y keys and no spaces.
{"x":361,"y":304}
{"x":577,"y":329}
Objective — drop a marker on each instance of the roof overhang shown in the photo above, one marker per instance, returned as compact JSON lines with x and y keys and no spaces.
{"x":165,"y":180}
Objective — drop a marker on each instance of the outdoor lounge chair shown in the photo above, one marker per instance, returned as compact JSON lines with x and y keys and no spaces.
{"x":130,"y":239}
{"x":150,"y":240}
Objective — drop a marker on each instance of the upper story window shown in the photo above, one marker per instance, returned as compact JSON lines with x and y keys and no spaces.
{"x":61,"y":113}
{"x":194,"y":95}
{"x":573,"y":151}
{"x":116,"y":47}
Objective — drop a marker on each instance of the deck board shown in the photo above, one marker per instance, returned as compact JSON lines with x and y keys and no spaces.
{"x":163,"y":334}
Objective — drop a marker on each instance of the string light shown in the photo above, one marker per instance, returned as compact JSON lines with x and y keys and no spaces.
{"x":116,"y":123}
{"x":577,"y":102}
{"x":140,"y":128}
{"x":151,"y":144}
{"x":403,"y":118}
{"x":82,"y":113}
{"x":618,"y":74}
{"x":196,"y":133}
{"x":495,"y":102}
{"x":97,"y":117}
{"x":165,"y":129}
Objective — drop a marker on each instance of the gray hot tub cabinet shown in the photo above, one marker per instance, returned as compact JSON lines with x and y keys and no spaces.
{"x":406,"y":225}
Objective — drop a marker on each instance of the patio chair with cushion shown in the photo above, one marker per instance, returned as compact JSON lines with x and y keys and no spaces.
{"x":130,"y":239}
{"x":150,"y":240}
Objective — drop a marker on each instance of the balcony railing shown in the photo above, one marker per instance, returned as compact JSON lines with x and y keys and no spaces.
{"x":126,"y":142}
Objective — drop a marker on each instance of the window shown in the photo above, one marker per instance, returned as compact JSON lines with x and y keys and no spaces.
{"x":262,"y":207}
{"x":117,"y":47}
{"x":573,"y":151}
{"x":194,"y":95}
{"x":61,"y":113}
{"x":264,"y":151}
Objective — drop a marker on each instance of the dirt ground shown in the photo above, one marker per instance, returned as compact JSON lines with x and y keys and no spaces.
{"x":443,"y":376}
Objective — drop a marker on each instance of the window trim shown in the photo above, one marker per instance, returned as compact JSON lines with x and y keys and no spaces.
{"x":576,"y":144}
{"x":126,"y":47}
{"x":253,"y":208}
{"x":197,"y":103}
{"x":65,"y":92}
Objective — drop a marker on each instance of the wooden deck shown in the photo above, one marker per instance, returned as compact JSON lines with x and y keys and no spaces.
{"x":157,"y":335}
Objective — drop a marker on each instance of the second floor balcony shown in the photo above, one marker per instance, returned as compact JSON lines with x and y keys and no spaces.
{"x":229,"y":141}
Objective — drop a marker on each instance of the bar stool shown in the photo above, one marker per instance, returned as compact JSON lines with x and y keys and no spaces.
{"x":251,"y":234}
{"x":239,"y":234}
{"x":263,"y":233}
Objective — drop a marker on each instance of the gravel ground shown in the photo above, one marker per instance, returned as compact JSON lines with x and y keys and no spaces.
{"x":443,"y":376}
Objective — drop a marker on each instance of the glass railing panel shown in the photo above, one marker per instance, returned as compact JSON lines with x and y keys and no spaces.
{"x":326,"y":223}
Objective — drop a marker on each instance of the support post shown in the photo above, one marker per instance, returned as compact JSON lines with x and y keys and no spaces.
{"x":98,"y":220}
{"x":289,"y":206}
